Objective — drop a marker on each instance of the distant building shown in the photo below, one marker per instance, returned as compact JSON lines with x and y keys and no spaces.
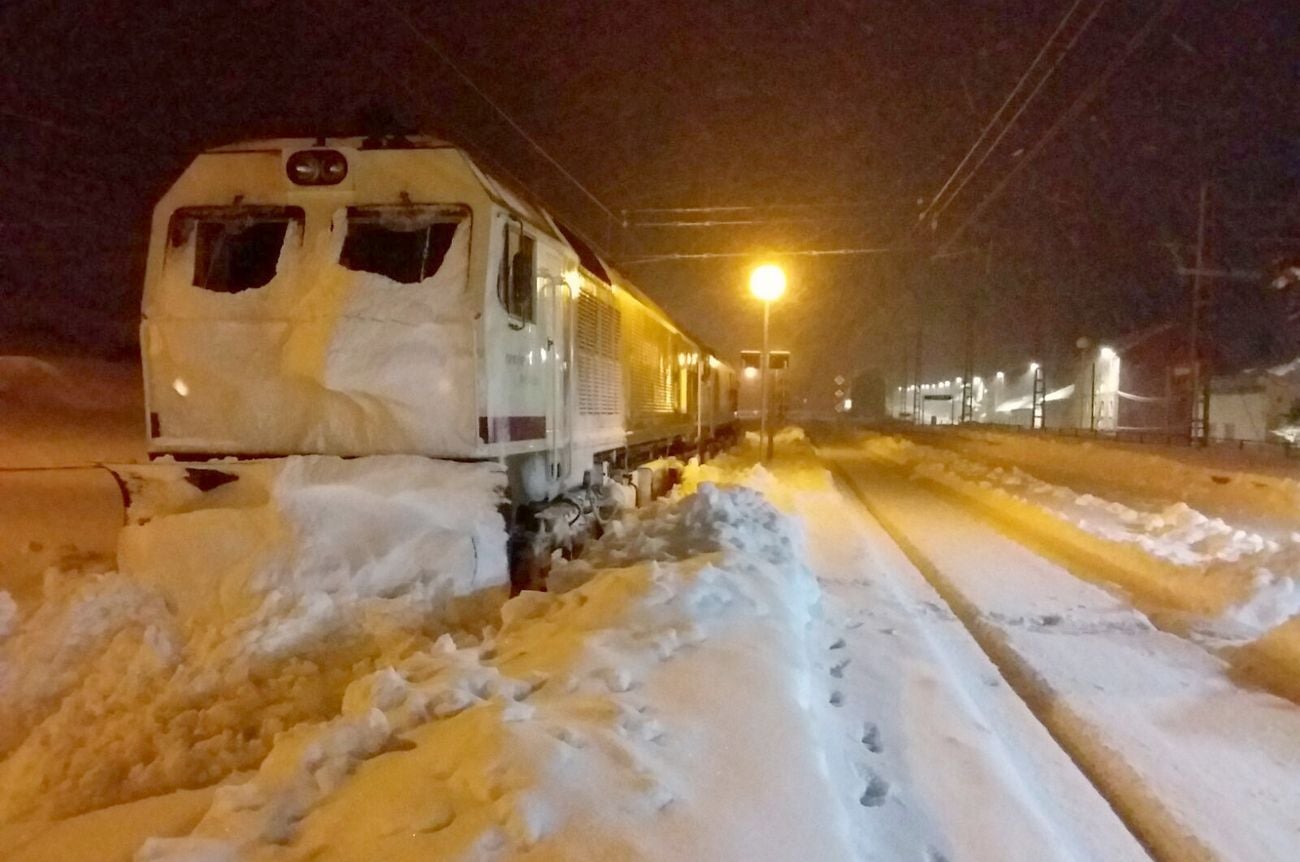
{"x":867,"y":396}
{"x":1155,"y":379}
{"x":1257,"y":404}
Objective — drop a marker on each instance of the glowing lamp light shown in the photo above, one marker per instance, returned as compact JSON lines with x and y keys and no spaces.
{"x":751,"y":372}
{"x":767,"y":282}
{"x":714,"y":363}
{"x":181,"y":387}
{"x":848,"y":403}
{"x":1033,"y":366}
{"x":1000,"y":375}
{"x":1107,"y":353}
{"x":574,"y":282}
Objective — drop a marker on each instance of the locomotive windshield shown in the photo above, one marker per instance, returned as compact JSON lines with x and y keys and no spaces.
{"x":235,"y":248}
{"x":404,"y":244}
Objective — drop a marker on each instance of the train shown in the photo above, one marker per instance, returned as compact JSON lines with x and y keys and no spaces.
{"x":386,"y":294}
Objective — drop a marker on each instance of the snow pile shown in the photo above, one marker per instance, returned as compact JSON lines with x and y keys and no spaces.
{"x":57,"y":411}
{"x":1214,"y":480}
{"x":1176,"y":533}
{"x":711,"y":519}
{"x":235,"y":614}
{"x":1184,"y":558}
{"x":86,"y":385}
{"x":656,"y":710}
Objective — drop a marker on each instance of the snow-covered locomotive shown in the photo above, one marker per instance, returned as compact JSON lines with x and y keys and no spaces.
{"x":363,"y":296}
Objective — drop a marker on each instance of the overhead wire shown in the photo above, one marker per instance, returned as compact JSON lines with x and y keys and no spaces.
{"x":492,"y":103}
{"x":753,"y":207}
{"x":1020,"y":83}
{"x":1084,"y":99}
{"x":711,"y":255}
{"x":1042,"y":81}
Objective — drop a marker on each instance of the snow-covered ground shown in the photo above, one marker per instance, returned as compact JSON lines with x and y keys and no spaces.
{"x":936,"y":756}
{"x":1230,"y":578}
{"x":1199,"y":766}
{"x":58,"y":413}
{"x":319,"y":661}
{"x":288,"y":646}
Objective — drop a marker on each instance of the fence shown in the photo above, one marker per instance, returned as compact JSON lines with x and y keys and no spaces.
{"x":1280,"y":448}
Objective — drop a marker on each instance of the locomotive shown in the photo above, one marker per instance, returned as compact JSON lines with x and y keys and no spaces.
{"x":387,"y":295}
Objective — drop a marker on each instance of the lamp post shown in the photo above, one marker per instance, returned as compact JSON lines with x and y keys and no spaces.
{"x":766,"y":283}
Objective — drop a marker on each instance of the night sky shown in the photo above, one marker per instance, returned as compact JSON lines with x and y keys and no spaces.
{"x":689,"y":104}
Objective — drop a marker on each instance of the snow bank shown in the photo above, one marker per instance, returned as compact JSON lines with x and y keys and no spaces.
{"x":709,"y":520}
{"x":235,"y":614}
{"x":87,"y":385}
{"x":1151,"y":717}
{"x":657,"y":709}
{"x":1212,"y":480}
{"x":1175,"y":555}
{"x":56,"y":411}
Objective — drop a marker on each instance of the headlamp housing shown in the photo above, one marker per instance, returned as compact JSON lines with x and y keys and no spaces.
{"x":316,"y":168}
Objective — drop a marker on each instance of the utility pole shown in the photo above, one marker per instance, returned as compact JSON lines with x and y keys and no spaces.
{"x":907,"y":374}
{"x":1200,"y":409}
{"x":968,"y":375}
{"x":916,"y":369}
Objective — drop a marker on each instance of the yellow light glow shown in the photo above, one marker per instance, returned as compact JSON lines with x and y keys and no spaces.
{"x":1107,"y":353}
{"x":574,"y":282}
{"x":181,"y":387}
{"x":767,"y":282}
{"x":714,"y":363}
{"x":751,"y":372}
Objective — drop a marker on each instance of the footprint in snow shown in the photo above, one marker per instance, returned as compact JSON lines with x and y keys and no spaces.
{"x":837,"y":670}
{"x":839,"y":644}
{"x":837,"y":699}
{"x":569,"y":737}
{"x":876,"y":793}
{"x":871,"y":738}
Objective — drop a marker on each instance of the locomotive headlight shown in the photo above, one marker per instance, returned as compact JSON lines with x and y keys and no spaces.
{"x":316,"y":167}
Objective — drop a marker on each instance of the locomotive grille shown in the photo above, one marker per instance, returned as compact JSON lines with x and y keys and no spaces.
{"x":650,"y":359}
{"x":599,"y":377}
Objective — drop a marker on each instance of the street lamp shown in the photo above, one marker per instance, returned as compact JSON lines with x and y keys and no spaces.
{"x":767,"y":283}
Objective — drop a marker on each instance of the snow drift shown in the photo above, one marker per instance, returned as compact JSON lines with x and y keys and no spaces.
{"x":618,"y":719}
{"x":235,"y":614}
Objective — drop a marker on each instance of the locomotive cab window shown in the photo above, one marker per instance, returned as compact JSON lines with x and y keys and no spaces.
{"x":235,"y":248}
{"x":517,"y":277}
{"x":404,"y":244}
